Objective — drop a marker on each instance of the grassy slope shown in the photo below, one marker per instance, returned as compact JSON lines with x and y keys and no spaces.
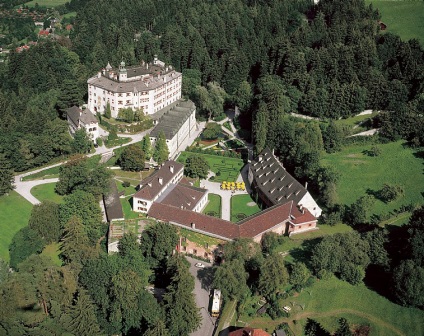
{"x":14,"y":215}
{"x":359,"y":172}
{"x":403,"y":18}
{"x":46,"y":3}
{"x":46,"y":192}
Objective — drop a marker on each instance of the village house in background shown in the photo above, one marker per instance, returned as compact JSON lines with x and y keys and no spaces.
{"x":148,"y":86}
{"x":272,"y":184}
{"x":82,"y":118}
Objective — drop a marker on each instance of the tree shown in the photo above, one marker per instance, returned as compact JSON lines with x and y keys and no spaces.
{"x":158,"y":242}
{"x":182,"y":315}
{"x":24,"y":243}
{"x":44,"y":220}
{"x":83,"y":316}
{"x":390,"y":192}
{"x":83,"y":205}
{"x":273,"y":275}
{"x":196,"y":166}
{"x":313,"y":328}
{"x":243,"y":96}
{"x":161,"y":152}
{"x":158,"y":330}
{"x":82,"y":143}
{"x":408,"y":284}
{"x":360,"y":210}
{"x":299,"y":275}
{"x":108,"y":112}
{"x":343,"y":329}
{"x":269,"y":242}
{"x":231,"y":279}
{"x":6,"y":176}
{"x":146,"y":147}
{"x":126,"y":114}
{"x":212,"y":130}
{"x":354,"y":274}
{"x":132,"y":158}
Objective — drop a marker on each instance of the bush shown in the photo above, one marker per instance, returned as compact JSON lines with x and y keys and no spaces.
{"x":324,"y":274}
{"x":126,"y":184}
{"x":391,"y":192}
{"x":99,"y":141}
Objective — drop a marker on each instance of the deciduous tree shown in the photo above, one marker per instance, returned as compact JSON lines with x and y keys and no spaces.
{"x":196,"y":166}
{"x":45,"y":221}
{"x":132,"y":158}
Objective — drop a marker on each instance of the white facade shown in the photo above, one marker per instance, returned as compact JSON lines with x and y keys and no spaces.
{"x":309,"y":203}
{"x":78,"y":119}
{"x":149,"y":87}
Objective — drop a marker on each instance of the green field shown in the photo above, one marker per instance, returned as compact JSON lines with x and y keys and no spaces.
{"x":360,"y":172}
{"x":213,"y":208}
{"x":328,"y":300}
{"x":227,"y":168}
{"x":403,"y":18}
{"x":242,"y":206}
{"x":46,"y":3}
{"x":14,"y":214}
{"x":46,"y":191}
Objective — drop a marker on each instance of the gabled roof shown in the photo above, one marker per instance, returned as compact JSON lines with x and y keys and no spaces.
{"x":249,"y":227}
{"x":76,"y":115}
{"x":274,"y":181}
{"x":73,"y":113}
{"x":184,"y":196}
{"x":112,"y":203}
{"x":153,"y":185}
{"x":87,"y":117}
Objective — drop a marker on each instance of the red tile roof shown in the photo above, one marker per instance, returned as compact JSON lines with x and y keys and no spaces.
{"x":43,"y":33}
{"x":249,"y":227}
{"x":302,"y":217}
{"x":248,"y":332}
{"x":151,"y":186}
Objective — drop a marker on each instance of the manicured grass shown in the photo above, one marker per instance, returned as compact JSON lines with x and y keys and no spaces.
{"x":14,"y":214}
{"x":353,"y":124}
{"x":53,"y":250}
{"x":46,"y":3}
{"x":330,"y":299}
{"x":46,"y":191}
{"x":403,"y":18}
{"x":116,"y":142}
{"x":213,"y":208}
{"x":128,"y":191}
{"x":228,"y":168}
{"x":126,"y":208}
{"x":44,"y":174}
{"x":240,"y":208}
{"x":360,"y":173}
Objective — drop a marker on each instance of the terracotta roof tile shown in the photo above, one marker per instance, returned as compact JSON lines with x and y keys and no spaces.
{"x":249,"y":332}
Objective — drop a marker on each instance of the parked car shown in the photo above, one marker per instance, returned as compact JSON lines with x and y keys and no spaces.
{"x":199,"y":265}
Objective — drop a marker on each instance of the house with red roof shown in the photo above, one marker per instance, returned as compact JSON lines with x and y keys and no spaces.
{"x":249,"y":332}
{"x":43,"y":33}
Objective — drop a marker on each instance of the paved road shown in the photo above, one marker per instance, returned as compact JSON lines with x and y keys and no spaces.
{"x":24,"y":187}
{"x":202,"y":280}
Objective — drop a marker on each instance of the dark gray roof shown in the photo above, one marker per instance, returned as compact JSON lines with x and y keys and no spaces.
{"x":173,"y":118}
{"x":184,"y":196}
{"x":87,"y":117}
{"x":73,"y":114}
{"x":112,"y":203}
{"x":153,"y":77}
{"x":274,"y":181}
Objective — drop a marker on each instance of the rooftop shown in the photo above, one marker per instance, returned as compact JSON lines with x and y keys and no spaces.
{"x":172,"y":118}
{"x":77,"y":115}
{"x":112,"y":204}
{"x":152,"y":185}
{"x":274,"y":181}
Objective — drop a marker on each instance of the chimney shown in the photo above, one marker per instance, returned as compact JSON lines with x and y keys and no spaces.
{"x":171,"y":168}
{"x":147,"y":66}
{"x":160,"y":179}
{"x":104,"y":71}
{"x":306,"y":185}
{"x":193,"y":226}
{"x":149,"y":184}
{"x":99,"y":74}
{"x":260,"y":158}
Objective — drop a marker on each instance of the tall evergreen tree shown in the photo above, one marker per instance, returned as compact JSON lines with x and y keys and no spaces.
{"x":161,"y":152}
{"x":146,"y":147}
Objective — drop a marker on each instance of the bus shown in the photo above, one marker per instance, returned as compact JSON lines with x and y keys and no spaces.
{"x":216,"y":303}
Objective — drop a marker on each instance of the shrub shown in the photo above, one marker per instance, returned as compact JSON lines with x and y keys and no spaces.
{"x":391,"y":192}
{"x":126,"y":184}
{"x":99,"y":141}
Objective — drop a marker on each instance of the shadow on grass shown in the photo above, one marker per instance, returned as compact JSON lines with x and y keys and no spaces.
{"x":303,"y":253}
{"x":205,"y":276}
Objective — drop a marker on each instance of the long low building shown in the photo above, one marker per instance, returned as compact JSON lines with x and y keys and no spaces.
{"x":178,"y":123}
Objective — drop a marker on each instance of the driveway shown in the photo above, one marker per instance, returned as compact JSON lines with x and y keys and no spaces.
{"x":202,"y":289}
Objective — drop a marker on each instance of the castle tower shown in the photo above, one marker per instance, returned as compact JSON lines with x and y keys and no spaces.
{"x":122,"y":72}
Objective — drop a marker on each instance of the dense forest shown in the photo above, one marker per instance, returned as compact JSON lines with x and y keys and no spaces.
{"x":268,"y":57}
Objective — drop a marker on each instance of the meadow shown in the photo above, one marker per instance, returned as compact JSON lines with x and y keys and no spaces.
{"x":14,"y":215}
{"x":46,"y":3}
{"x":403,"y":18}
{"x":361,"y":174}
{"x":327,"y":300}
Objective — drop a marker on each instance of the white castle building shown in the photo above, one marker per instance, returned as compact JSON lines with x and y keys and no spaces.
{"x":149,"y":86}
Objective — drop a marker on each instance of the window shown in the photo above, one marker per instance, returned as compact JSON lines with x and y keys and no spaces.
{"x":128,"y":94}
{"x":128,"y":101}
{"x":120,"y":95}
{"x":194,"y":251}
{"x":119,"y":102}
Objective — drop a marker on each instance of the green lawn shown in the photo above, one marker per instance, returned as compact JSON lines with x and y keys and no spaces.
{"x":14,"y":214}
{"x":46,"y":3}
{"x":242,"y":206}
{"x":404,"y":18}
{"x":199,"y":239}
{"x":46,"y":192}
{"x":228,"y":168}
{"x":355,"y":121}
{"x":360,"y":172}
{"x":213,"y":208}
{"x":126,"y":208}
{"x":328,"y":300}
